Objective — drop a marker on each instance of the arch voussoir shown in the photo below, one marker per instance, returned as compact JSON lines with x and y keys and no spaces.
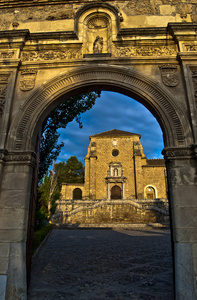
{"x":163,"y":106}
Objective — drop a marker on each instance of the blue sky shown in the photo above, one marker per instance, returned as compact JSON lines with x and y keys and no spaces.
{"x":112,"y":111}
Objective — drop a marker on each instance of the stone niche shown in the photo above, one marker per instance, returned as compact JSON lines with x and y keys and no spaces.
{"x":96,"y":28}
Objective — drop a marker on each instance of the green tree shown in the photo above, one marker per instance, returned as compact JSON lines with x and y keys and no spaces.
{"x":66,"y":112}
{"x":71,"y":172}
{"x":49,"y":189}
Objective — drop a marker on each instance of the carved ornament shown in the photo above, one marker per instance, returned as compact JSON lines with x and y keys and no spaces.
{"x":191,"y":47}
{"x":50,"y":55}
{"x":169,"y":75}
{"x":3,"y":89}
{"x":177,"y":153}
{"x":27,"y":158}
{"x":145,"y":51}
{"x":27,"y":81}
{"x":5,"y":54}
{"x":194,"y":79}
{"x":98,"y":23}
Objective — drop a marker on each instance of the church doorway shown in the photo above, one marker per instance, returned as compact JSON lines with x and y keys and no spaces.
{"x":116,"y":192}
{"x":77,"y":194}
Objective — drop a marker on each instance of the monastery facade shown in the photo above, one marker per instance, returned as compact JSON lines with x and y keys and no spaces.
{"x":116,"y":168}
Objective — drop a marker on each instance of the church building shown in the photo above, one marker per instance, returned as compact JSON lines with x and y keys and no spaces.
{"x":116,"y":168}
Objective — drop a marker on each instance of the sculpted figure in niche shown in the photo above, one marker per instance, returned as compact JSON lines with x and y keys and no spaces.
{"x":98,"y":45}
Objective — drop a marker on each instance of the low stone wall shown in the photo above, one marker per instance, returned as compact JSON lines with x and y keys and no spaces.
{"x":117,"y":211}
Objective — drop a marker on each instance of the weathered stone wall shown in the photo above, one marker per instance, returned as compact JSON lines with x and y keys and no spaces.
{"x":155,"y":176}
{"x":47,"y":15}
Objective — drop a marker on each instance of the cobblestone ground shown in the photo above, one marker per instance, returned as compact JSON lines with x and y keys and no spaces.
{"x":103,"y":264}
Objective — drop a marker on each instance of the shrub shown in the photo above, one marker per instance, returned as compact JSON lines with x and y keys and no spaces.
{"x":40,"y":235}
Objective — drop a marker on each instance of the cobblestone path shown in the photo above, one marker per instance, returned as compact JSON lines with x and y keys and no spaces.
{"x":104,"y":264}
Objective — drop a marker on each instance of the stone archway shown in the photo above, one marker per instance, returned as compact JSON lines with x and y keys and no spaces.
{"x":177,"y":138}
{"x":171,"y":118}
{"x":175,"y":126}
{"x":43,"y":62}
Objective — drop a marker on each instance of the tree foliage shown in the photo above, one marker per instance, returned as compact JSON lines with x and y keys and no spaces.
{"x":49,"y":189}
{"x":66,"y":112}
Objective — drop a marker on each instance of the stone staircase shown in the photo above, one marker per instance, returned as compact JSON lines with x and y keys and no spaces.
{"x":159,"y":206}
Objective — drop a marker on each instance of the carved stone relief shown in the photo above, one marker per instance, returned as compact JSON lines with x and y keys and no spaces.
{"x":97,"y":33}
{"x":4,"y":78}
{"x":98,"y":45}
{"x":5,"y":54}
{"x":27,"y":81}
{"x":97,"y":23}
{"x":191,"y":47}
{"x":51,"y":55}
{"x":145,"y":51}
{"x":194,"y":79}
{"x":29,"y":158}
{"x":169,"y":75}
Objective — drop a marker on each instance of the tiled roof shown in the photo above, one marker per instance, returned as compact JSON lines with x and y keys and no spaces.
{"x":114,"y":133}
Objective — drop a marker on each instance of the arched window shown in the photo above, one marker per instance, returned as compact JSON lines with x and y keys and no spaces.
{"x":116,"y":192}
{"x":150,"y":192}
{"x":77,"y":194}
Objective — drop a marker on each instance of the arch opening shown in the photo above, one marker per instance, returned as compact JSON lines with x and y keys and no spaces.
{"x":27,"y":122}
{"x":77,"y":194}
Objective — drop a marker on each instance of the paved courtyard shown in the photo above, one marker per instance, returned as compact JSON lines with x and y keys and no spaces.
{"x":103,"y":264}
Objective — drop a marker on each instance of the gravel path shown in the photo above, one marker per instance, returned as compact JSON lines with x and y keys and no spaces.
{"x":104,"y":264}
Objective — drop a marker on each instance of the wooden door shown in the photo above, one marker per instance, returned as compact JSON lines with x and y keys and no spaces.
{"x":116,"y":192}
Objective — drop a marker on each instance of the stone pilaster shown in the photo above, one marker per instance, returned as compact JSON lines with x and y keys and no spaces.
{"x":93,"y":177}
{"x":181,"y":167}
{"x":14,"y":212}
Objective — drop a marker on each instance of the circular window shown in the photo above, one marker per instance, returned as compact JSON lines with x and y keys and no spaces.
{"x":115,"y":152}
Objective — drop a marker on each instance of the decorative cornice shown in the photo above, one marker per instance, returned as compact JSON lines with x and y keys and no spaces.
{"x":182,"y":31}
{"x":143,"y":31}
{"x":59,"y":35}
{"x":26,"y":157}
{"x":177,"y":153}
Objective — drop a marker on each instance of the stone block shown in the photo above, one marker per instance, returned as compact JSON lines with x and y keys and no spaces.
{"x":14,"y":199}
{"x":13,"y":235}
{"x":4,"y":249}
{"x":3,"y":281}
{"x":4,"y":265}
{"x":17,"y":272}
{"x":12,"y":181}
{"x":184,"y":271}
{"x":166,"y":10}
{"x":13,"y":218}
{"x":185,"y":235}
{"x":186,"y":217}
{"x":183,"y":198}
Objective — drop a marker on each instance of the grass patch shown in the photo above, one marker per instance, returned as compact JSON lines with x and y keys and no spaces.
{"x":40,"y":235}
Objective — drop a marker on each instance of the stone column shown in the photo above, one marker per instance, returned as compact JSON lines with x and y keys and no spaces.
{"x":14,"y":211}
{"x":108,"y":191}
{"x":123,"y":190}
{"x":181,"y":166}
